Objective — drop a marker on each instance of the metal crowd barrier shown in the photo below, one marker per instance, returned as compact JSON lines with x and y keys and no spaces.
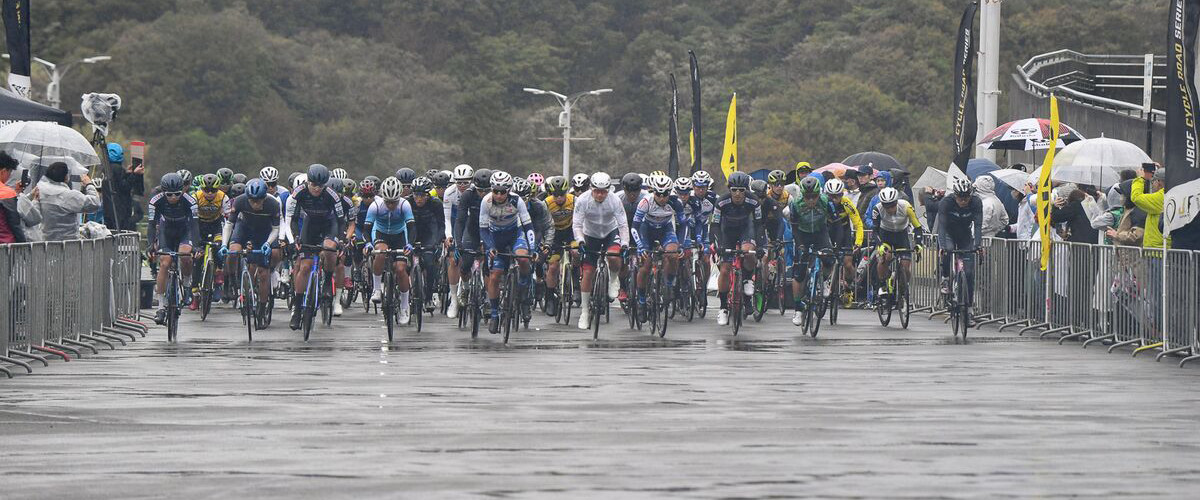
{"x":64,"y":295}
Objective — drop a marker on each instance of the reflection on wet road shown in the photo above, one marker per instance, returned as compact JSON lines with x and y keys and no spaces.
{"x":859,"y":411}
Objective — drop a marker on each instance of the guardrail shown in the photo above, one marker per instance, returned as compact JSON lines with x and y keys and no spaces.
{"x":63,"y":296}
{"x":1028,"y":77}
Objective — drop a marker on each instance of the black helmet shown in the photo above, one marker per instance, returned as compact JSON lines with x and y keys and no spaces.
{"x":406,"y":176}
{"x":239,"y":178}
{"x":631,"y":181}
{"x":374,"y":180}
{"x":292,"y":178}
{"x":739,"y":180}
{"x":335,"y":184}
{"x":226,"y":175}
{"x":441,"y":179}
{"x":482,"y":179}
{"x":172,"y":182}
{"x":318,"y":174}
{"x":759,"y":187}
{"x":422,"y":185}
{"x":237,"y":190}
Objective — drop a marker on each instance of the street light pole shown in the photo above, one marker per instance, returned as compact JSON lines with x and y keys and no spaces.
{"x":53,"y":89}
{"x":564,"y":118}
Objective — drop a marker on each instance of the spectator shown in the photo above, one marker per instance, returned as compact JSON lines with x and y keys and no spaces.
{"x":27,"y":206}
{"x":1131,"y":228}
{"x":1069,"y":211}
{"x":1027,"y":225}
{"x":995,"y":218}
{"x":1147,"y":194}
{"x":851,"y":182}
{"x":125,"y":183}
{"x":932,"y":199}
{"x":12,"y":229}
{"x":866,"y":189}
{"x":62,"y":205}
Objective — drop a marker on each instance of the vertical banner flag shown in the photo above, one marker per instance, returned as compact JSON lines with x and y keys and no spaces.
{"x":16,"y":27}
{"x":964,"y":89}
{"x":1043,"y":190}
{"x":1182,"y":202}
{"x":673,"y":132}
{"x":729,"y":158}
{"x":694,"y":144}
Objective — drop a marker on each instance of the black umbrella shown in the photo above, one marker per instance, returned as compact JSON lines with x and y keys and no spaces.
{"x":878,"y":161}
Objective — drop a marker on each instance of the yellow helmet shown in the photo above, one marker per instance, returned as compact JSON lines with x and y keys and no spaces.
{"x":804,"y":166}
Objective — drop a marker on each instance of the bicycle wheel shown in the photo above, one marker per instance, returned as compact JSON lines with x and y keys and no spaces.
{"x":960,"y":297}
{"x":508,"y":303}
{"x":736,"y":297}
{"x":701,"y":290}
{"x":417,"y":302}
{"x":778,"y":285}
{"x":389,"y":298}
{"x":308,"y":312}
{"x":883,"y":308}
{"x":903,"y":305}
{"x":665,"y":300}
{"x":759,"y":299}
{"x":172,"y":308}
{"x":632,"y":302}
{"x":818,"y":310}
{"x":835,"y":292}
{"x":599,"y":296}
{"x":475,"y":303}
{"x":566,"y":294}
{"x":248,"y":305}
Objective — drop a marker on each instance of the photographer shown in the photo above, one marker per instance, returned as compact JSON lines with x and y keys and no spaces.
{"x":62,"y":205}
{"x":125,"y":183}
{"x":12,"y":229}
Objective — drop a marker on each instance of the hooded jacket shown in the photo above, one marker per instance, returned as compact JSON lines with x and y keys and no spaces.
{"x":61,"y":207}
{"x":995,"y":217}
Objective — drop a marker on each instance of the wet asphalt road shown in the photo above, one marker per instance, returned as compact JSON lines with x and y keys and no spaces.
{"x":862,"y":411}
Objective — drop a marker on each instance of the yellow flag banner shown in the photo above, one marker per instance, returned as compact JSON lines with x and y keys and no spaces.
{"x":729,"y":157}
{"x":692,"y":145}
{"x":1043,"y":192}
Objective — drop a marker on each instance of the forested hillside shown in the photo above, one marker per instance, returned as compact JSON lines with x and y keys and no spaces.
{"x":375,"y":84}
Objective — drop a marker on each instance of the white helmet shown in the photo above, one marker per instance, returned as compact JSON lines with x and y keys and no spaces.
{"x":889,"y":195}
{"x":701,"y":179}
{"x":580,"y":181}
{"x":390,"y":190}
{"x":834,"y":187}
{"x":301,"y":180}
{"x":661,"y":184}
{"x":683,"y":184}
{"x":269,"y":174}
{"x":463,"y":172}
{"x":502,"y":181}
{"x":961,"y":186}
{"x":337,"y":173}
{"x":601,"y":180}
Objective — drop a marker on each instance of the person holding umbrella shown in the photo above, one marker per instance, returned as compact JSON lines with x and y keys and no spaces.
{"x":11,"y":228}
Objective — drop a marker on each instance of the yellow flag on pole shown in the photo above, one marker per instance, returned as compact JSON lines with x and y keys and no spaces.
{"x":1043,"y":192}
{"x":729,"y":156}
{"x":692,"y":144}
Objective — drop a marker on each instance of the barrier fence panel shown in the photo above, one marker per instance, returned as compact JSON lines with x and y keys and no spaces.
{"x":6,"y":290}
{"x":924,"y":285}
{"x":20,"y":299}
{"x":126,"y":275}
{"x":1179,"y":324}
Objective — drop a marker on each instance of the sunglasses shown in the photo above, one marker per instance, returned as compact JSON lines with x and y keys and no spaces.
{"x":737,"y":190}
{"x":499,"y":191}
{"x":174,"y":193}
{"x":210,"y":190}
{"x":271,"y":184}
{"x":660,"y":193}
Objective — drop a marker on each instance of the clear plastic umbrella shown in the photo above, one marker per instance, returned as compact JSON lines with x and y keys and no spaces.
{"x":1016,"y":179}
{"x":931,"y":177}
{"x":1096,"y":162}
{"x":43,"y":139}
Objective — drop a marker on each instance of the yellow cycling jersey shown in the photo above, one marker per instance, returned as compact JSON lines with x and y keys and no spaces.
{"x":844,"y":211}
{"x":782,"y":199}
{"x":210,"y":210}
{"x":562,"y":214}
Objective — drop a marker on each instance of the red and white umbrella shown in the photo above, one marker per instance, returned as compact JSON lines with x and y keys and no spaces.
{"x":1027,"y":135}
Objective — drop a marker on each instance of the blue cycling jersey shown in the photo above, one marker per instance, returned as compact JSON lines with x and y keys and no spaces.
{"x":389,"y":221}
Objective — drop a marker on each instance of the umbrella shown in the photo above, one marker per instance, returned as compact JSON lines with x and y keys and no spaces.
{"x":1027,"y":135}
{"x":838,"y":169}
{"x":47,"y":139}
{"x":878,"y":161}
{"x":1016,"y":179}
{"x":932,"y":177}
{"x":1097,"y":162}
{"x":980,"y":166}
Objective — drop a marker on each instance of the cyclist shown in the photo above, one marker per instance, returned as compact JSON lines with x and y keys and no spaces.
{"x":391,"y":222}
{"x":658,"y":219}
{"x":599,"y":225}
{"x":462,"y":183}
{"x":770,"y":229}
{"x":803,"y":169}
{"x":704,"y":203}
{"x":428,"y":233}
{"x":173,"y":216}
{"x":337,"y":173}
{"x":466,"y":226}
{"x":504,"y":226}
{"x":630,"y":195}
{"x":441,"y":182}
{"x":561,"y":205}
{"x":846,"y":226}
{"x":892,"y":218}
{"x":324,"y":221}
{"x":737,"y":217}
{"x":538,"y":212}
{"x":225,"y":175}
{"x":253,"y":220}
{"x":810,"y":215}
{"x":579,"y":184}
{"x":270,"y":177}
{"x":211,"y":204}
{"x":960,"y":227}
{"x":406,"y":176}
{"x":235,"y":191}
{"x":350,"y":208}
{"x":240,"y":178}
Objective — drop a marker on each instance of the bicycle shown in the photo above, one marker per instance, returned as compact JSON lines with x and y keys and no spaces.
{"x":736,"y":296}
{"x":248,"y":300}
{"x":512,"y":303}
{"x":417,"y":276}
{"x":599,"y":301}
{"x":814,"y":301}
{"x":475,"y":293}
{"x":208,"y":266}
{"x":836,"y":298}
{"x":631,"y":305}
{"x":315,"y":294}
{"x":685,"y":284}
{"x":390,"y":307}
{"x":767,"y":283}
{"x":355,"y":290}
{"x":658,"y":304}
{"x":174,"y":291}
{"x":699,"y":281}
{"x":566,"y":287}
{"x":957,"y":301}
{"x":894,"y":295}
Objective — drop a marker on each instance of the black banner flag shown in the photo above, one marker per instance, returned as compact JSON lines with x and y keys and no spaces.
{"x":673,"y":131}
{"x":1182,"y":202}
{"x":695,"y":137}
{"x":964,"y":89}
{"x":16,"y":26}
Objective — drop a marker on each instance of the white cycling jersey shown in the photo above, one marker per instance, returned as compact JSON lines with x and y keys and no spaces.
{"x":598,"y":220}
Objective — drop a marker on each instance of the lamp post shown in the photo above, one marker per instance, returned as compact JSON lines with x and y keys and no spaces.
{"x":58,"y":72}
{"x":564,"y":118}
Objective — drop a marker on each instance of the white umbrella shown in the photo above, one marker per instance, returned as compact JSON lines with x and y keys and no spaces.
{"x":1097,"y":162}
{"x":47,"y":139}
{"x":1012,"y":177}
{"x":932,"y":177}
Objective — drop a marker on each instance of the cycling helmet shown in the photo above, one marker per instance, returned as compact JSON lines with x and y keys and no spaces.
{"x":292,"y":178}
{"x":683,"y":185}
{"x":557,"y":185}
{"x":631,"y":182}
{"x":318,"y":174}
{"x":348,"y":186}
{"x":482,"y":179}
{"x":601,"y":180}
{"x":172,"y":182}
{"x":776,"y":178}
{"x":701,"y":179}
{"x":237,"y":190}
{"x":809,"y":185}
{"x":239,"y":178}
{"x":374,"y":179}
{"x":741,"y":180}
{"x":834,"y":187}
{"x":390,"y":190}
{"x":268,"y":174}
{"x":367,"y":188}
{"x":256,"y":189}
{"x":463,"y":172}
{"x":661,"y":184}
{"x":803,"y":167}
{"x":338,"y":173}
{"x":300,"y":180}
{"x":226,"y":175}
{"x":579,"y":182}
{"x":758,"y":187}
{"x":657,"y":173}
{"x":501,"y":181}
{"x":536,"y":179}
{"x":335,"y":184}
{"x":185,"y":175}
{"x":422,"y":185}
{"x":430,"y":172}
{"x":889,"y":196}
{"x":961,"y":186}
{"x":441,"y":179}
{"x":406,"y":176}
{"x":209,"y":181}
{"x":522,"y":187}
